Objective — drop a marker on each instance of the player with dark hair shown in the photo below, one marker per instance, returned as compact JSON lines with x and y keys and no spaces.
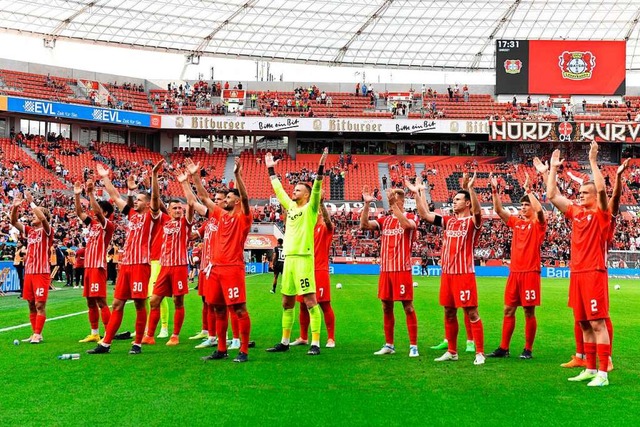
{"x":458,"y":282}
{"x":298,"y":276}
{"x":588,"y":285}
{"x":227,"y":276}
{"x":174,"y":271}
{"x":523,"y":284}
{"x":101,"y":230}
{"x":398,"y":232}
{"x":134,"y":267}
{"x":277,"y":262}
{"x":37,"y":270}
{"x":208,"y":232}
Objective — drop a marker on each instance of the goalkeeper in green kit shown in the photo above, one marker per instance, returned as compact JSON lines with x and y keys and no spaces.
{"x":298,"y":277}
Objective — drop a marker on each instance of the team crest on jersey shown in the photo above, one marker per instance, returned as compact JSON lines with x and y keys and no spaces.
{"x":577,"y":65}
{"x":512,"y":66}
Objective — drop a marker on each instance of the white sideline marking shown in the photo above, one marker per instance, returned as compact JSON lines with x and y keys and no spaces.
{"x":24,"y":325}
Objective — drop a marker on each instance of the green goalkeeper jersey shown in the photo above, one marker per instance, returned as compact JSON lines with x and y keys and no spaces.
{"x":301,"y":221}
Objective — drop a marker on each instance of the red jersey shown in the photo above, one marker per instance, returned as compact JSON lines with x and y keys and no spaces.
{"x":38,"y":247}
{"x":137,"y":245}
{"x":208,"y":231}
{"x":461,"y":235}
{"x":98,"y":240}
{"x":231,"y":236}
{"x":525,"y":244}
{"x":322,"y":238}
{"x":156,"y":242}
{"x":395,"y":243}
{"x":80,"y":254}
{"x":175,"y":238}
{"x":588,"y":238}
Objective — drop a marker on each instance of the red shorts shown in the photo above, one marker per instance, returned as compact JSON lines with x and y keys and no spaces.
{"x":523,"y":289}
{"x":589,"y":295}
{"x":458,"y":290}
{"x":226,"y":285}
{"x":36,"y":287}
{"x":323,"y":287}
{"x":172,"y":281}
{"x":133,"y":282}
{"x":395,"y":286}
{"x":95,"y":283}
{"x":202,"y":278}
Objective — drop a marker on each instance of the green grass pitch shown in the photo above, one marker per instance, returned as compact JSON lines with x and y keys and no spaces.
{"x":346,"y":385}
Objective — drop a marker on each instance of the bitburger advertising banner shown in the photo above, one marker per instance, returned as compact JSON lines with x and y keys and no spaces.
{"x":341,"y":125}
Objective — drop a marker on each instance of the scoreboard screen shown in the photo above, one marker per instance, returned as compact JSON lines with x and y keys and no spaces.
{"x":560,"y":67}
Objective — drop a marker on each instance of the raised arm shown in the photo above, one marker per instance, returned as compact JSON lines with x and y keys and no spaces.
{"x":95,"y":207}
{"x":533,"y":200}
{"x":15,"y":206}
{"x":554,"y":196}
{"x":192,"y":202}
{"x":421,"y":199}
{"x":497,"y":203}
{"x":365,"y":224}
{"x":194,"y":170}
{"x":38,"y":213}
{"x":103,"y":173}
{"x":404,"y":222}
{"x":77,"y":191}
{"x":475,"y":204}
{"x":155,"y":188}
{"x":614,"y":201}
{"x":244,"y":198}
{"x":326,"y":217}
{"x":282,"y":196}
{"x":316,"y":193}
{"x":598,"y":179}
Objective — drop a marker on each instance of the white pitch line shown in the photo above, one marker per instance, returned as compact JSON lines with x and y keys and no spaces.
{"x":24,"y":325}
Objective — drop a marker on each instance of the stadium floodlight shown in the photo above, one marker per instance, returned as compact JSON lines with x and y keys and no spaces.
{"x":193,"y":59}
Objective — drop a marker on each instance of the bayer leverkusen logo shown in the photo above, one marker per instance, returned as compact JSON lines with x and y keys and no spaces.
{"x":565,"y":129}
{"x":512,"y":66}
{"x":577,"y":65}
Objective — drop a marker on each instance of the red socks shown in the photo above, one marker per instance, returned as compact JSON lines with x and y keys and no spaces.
{"x":389,"y":326}
{"x":40,"y":319}
{"x":304,"y":321}
{"x":604,"y":351}
{"x":451,"y":333}
{"x":577,"y":333}
{"x":478,"y":335}
{"x":610,"y":330}
{"x":211,"y":321}
{"x":112,"y":327}
{"x":235,"y":329}
{"x":412,"y":326}
{"x":32,"y":319}
{"x":94,"y":317}
{"x":222,"y":322}
{"x":244,"y":324}
{"x":105,"y":312}
{"x":329,"y":319}
{"x":178,"y":320}
{"x":141,"y":322}
{"x":508,"y":325}
{"x":467,"y":327}
{"x":530,"y":328}
{"x":154,"y":318}
{"x":590,"y":349}
{"x":205,"y":318}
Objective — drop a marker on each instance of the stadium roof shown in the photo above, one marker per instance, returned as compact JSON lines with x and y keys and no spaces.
{"x":453,"y":35}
